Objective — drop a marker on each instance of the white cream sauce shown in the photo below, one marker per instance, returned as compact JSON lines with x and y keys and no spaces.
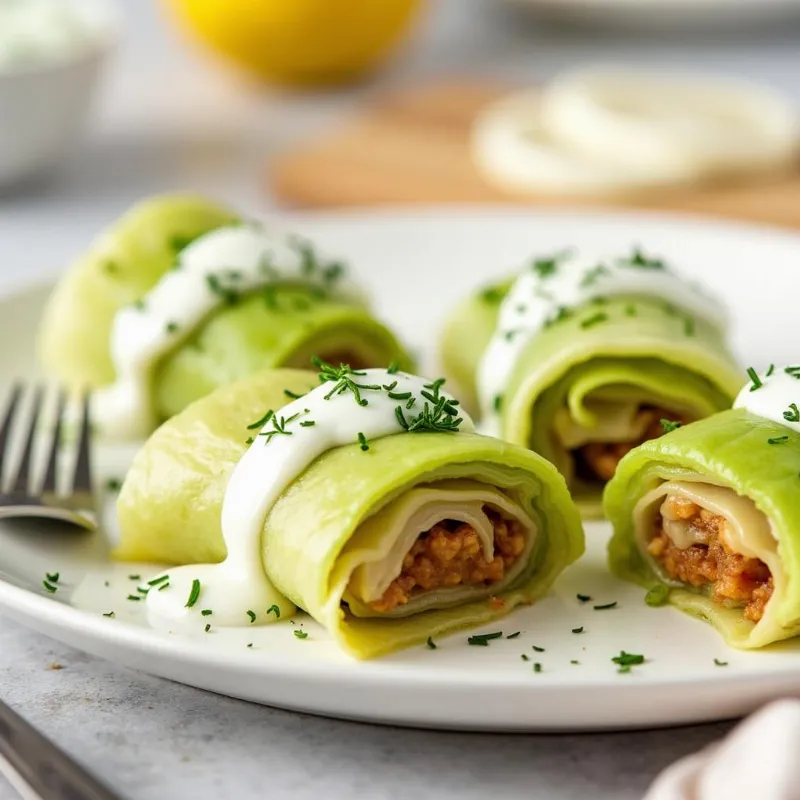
{"x":558,"y":285}
{"x":777,"y":398}
{"x":271,"y":464}
{"x":227,"y":262}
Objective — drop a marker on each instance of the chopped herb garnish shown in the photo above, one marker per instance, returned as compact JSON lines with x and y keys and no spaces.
{"x":333,"y":272}
{"x":606,"y":606}
{"x":578,"y":630}
{"x":492,"y":295}
{"x":627,"y":660}
{"x":249,"y":644}
{"x":574,"y":662}
{"x":595,"y":319}
{"x":778,"y":440}
{"x":640,"y":260}
{"x":134,"y":598}
{"x":139,"y":305}
{"x":157,"y":581}
{"x":793,"y":414}
{"x":657,"y":596}
{"x":249,"y":440}
{"x":309,"y":423}
{"x":194,"y":593}
{"x":719,"y":663}
{"x":134,"y":577}
{"x":483,"y":639}
{"x":793,"y":371}
{"x":524,"y":657}
{"x":252,"y":615}
{"x":538,"y":649}
{"x":561,"y":314}
{"x":398,"y":395}
{"x":53,"y":577}
{"x":342,"y":378}
{"x":362,"y":441}
{"x":292,"y":395}
{"x":537,"y":667}
{"x":513,"y":635}
{"x":584,"y":598}
{"x":113,"y":484}
{"x":498,"y":403}
{"x":591,"y":276}
{"x":208,"y":627}
{"x":206,"y":612}
{"x":172,"y":327}
{"x":545,"y":267}
{"x":393,"y":368}
{"x":49,"y":586}
{"x":110,"y":615}
{"x":670,"y":425}
{"x":431,"y":644}
{"x":757,"y":384}
{"x":142,"y":590}
{"x":274,"y":610}
{"x":770,"y":370}
{"x":278,"y":427}
{"x":163,"y":586}
{"x":389,"y":387}
{"x":300,"y":634}
{"x":227,"y":294}
{"x":261,"y":422}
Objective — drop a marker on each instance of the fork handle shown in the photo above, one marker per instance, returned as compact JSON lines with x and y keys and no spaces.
{"x":38,"y":769}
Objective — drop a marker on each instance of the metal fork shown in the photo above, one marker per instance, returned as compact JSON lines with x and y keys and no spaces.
{"x":26,"y":497}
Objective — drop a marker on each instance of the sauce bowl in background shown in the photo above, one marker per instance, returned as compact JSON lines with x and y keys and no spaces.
{"x":52,"y":53}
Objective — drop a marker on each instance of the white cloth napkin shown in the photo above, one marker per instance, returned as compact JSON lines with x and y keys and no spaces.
{"x":758,"y":760}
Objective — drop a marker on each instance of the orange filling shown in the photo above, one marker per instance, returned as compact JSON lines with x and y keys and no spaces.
{"x":451,"y":554}
{"x":597,"y":461}
{"x":735,"y":580}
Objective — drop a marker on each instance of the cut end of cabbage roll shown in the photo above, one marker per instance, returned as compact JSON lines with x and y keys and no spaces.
{"x":709,"y":512}
{"x":596,"y":381}
{"x":385,"y":543}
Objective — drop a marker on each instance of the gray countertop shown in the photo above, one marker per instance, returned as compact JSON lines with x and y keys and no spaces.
{"x":153,"y":739}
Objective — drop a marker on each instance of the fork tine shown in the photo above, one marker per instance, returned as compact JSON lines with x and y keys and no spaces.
{"x":22,"y":481}
{"x":8,"y":421}
{"x":49,"y":483}
{"x":82,"y":481}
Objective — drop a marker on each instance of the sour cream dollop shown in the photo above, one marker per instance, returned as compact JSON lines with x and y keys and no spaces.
{"x":211,"y":272}
{"x":774,"y":395}
{"x":553,"y":286}
{"x":357,"y":408}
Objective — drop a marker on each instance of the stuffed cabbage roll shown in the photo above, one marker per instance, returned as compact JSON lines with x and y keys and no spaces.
{"x":180,"y":297}
{"x":583,"y":355}
{"x":708,"y":514}
{"x":367,"y":501}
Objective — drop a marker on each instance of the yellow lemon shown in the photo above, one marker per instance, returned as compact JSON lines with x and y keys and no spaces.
{"x":299,"y":42}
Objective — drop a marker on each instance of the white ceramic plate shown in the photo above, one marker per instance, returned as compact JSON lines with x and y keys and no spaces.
{"x":722,"y":15}
{"x":418,"y":264}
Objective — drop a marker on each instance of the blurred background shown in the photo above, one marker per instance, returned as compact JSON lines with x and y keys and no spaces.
{"x":271,"y":104}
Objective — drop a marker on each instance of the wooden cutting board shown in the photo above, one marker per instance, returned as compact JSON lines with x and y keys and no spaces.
{"x":412,"y":146}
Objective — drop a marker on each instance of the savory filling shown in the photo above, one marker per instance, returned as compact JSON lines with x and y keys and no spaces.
{"x":597,"y":461}
{"x":734,"y":579}
{"x":451,"y":554}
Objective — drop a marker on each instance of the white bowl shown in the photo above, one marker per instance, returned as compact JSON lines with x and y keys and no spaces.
{"x":45,"y":104}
